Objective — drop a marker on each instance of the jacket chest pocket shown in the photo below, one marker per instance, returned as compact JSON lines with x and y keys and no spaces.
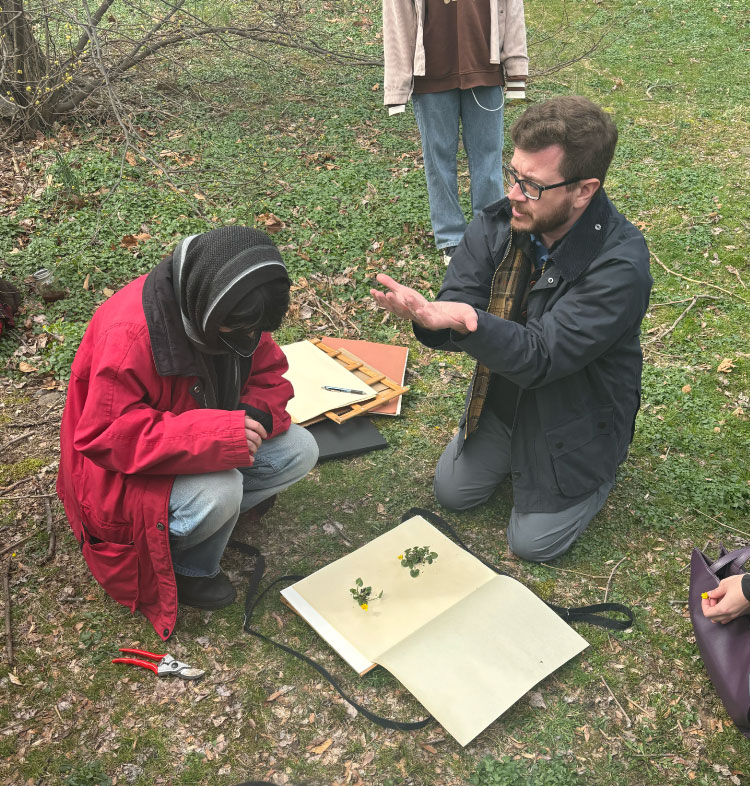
{"x":583,"y":452}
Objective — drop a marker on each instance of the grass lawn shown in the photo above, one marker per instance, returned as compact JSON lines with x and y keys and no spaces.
{"x":306,"y":147}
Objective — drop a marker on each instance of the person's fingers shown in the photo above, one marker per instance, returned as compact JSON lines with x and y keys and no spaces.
{"x":253,"y":442}
{"x":256,"y":426}
{"x":387,"y":281}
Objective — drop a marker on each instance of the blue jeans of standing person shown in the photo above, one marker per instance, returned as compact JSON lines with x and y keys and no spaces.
{"x":203,"y":509}
{"x":480,"y":111}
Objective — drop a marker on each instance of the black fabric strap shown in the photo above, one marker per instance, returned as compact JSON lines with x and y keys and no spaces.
{"x":588,"y":614}
{"x":252,"y":601}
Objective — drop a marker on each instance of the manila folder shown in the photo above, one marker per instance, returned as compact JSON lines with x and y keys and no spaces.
{"x":466,"y":641}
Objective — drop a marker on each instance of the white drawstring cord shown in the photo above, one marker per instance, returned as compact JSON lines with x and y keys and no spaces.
{"x":484,"y":107}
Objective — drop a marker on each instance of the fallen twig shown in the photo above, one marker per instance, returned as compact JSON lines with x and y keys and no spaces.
{"x":647,"y":713}
{"x":16,"y":484}
{"x":568,"y":570}
{"x":622,"y":709}
{"x":15,"y":545}
{"x":677,"y":321}
{"x":14,"y":440}
{"x":721,"y":523}
{"x":51,"y":532}
{"x":677,"y":302}
{"x":31,"y":425}
{"x":733,"y":270}
{"x":8,"y":627}
{"x":29,"y":496}
{"x":609,"y":580}
{"x":695,"y":280}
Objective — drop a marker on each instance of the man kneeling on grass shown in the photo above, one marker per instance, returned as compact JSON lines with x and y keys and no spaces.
{"x":547,"y":291}
{"x":176,"y":422}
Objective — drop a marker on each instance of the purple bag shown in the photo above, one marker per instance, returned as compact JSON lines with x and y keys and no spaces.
{"x":725,"y":649}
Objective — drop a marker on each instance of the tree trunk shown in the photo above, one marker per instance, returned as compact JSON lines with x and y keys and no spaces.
{"x":23,"y":66}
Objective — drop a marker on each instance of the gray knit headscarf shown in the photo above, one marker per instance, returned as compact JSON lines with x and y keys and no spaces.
{"x":213,"y":272}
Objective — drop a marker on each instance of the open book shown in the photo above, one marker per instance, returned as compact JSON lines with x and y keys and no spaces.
{"x":467,"y":642}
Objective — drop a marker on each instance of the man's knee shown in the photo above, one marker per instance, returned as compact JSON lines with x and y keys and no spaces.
{"x":532,"y":547}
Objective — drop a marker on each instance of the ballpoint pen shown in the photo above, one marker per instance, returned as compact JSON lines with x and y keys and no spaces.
{"x":343,"y":390}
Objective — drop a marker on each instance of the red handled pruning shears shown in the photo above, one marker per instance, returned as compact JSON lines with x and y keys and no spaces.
{"x":167,"y":666}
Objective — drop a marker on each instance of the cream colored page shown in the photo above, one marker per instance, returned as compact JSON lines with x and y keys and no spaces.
{"x":407,"y":603}
{"x":309,"y":370}
{"x":479,"y":657}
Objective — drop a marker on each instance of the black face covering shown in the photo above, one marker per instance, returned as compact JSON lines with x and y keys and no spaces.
{"x":241,"y":341}
{"x":211,"y":275}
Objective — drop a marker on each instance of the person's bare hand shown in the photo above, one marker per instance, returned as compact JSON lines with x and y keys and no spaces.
{"x":254,"y":434}
{"x":407,"y":303}
{"x":726,"y":602}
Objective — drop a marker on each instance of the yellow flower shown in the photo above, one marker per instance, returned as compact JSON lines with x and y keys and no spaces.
{"x":363,"y":606}
{"x":400,"y":556}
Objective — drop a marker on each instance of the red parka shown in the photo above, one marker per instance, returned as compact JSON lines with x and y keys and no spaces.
{"x":136,"y":417}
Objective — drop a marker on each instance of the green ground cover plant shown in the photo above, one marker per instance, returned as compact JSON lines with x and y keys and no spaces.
{"x":303,"y":147}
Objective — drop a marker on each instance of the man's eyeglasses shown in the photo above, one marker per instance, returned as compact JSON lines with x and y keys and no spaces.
{"x":530,"y":189}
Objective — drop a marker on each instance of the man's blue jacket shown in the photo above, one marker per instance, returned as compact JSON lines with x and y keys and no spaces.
{"x":577,"y":359}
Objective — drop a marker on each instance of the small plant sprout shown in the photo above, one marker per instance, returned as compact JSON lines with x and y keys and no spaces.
{"x":363,"y":595}
{"x":415,"y":556}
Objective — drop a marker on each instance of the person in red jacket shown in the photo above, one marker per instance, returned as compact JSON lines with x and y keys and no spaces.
{"x":175,"y":422}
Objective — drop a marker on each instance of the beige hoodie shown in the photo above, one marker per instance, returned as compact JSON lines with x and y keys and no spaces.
{"x":403,"y":43}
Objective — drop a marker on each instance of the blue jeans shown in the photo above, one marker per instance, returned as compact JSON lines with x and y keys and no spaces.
{"x":203,"y":509}
{"x":482,"y":131}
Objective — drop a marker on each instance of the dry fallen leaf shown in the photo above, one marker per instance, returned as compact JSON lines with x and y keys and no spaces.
{"x":280,"y":692}
{"x":322,"y":748}
{"x":726,"y":366}
{"x":107,"y":292}
{"x":428,"y":748}
{"x":12,"y":677}
{"x":537,"y":700}
{"x":130,"y":158}
{"x":270,"y":222}
{"x":686,"y":389}
{"x":26,"y":368}
{"x":86,"y":282}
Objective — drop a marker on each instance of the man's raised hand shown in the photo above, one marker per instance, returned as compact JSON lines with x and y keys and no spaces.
{"x":407,"y":303}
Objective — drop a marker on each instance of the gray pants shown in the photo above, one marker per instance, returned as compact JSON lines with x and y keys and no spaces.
{"x":466,"y":479}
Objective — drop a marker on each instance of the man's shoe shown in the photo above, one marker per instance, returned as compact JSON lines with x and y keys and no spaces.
{"x":202,"y":592}
{"x":448,"y":253}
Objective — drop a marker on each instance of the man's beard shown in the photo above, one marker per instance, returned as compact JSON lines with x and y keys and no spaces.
{"x":541,"y":224}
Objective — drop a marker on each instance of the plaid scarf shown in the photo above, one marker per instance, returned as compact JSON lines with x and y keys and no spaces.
{"x":508,"y":295}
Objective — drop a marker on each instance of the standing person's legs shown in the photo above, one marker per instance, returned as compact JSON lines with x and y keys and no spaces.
{"x":437,"y":117}
{"x":539,"y":537}
{"x":482,"y":131}
{"x":466,"y":478}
